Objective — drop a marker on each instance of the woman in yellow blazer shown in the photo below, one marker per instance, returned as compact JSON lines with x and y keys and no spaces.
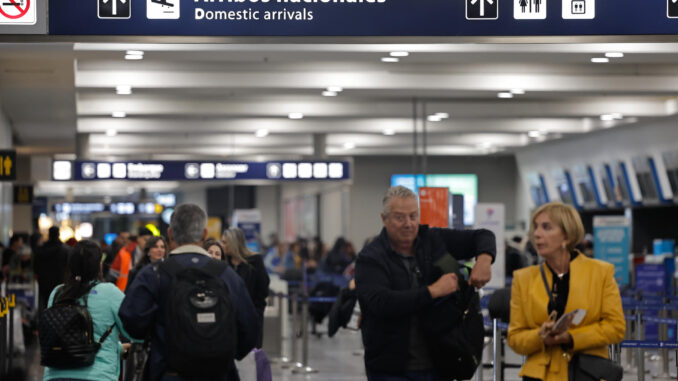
{"x":576,"y":282}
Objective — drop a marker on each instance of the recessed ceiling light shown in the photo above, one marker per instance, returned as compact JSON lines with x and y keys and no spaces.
{"x":329,"y":93}
{"x":295,"y":115}
{"x":135,"y":52}
{"x":505,"y":95}
{"x":517,"y":91}
{"x":260,"y":133}
{"x":534,"y":134}
{"x":606,"y":117}
{"x":443,"y":115}
{"x":600,"y":60}
{"x":119,"y":114}
{"x":389,"y":132}
{"x":434,"y":118}
{"x":349,"y":145}
{"x":389,"y":59}
{"x":400,"y":54}
{"x":484,"y":145}
{"x":133,"y":57}
{"x":614,"y":55}
{"x":123,"y":89}
{"x":111,"y":132}
{"x":336,"y":89}
{"x":616,"y":115}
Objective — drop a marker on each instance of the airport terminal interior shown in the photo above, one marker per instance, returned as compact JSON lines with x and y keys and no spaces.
{"x":295,"y":139}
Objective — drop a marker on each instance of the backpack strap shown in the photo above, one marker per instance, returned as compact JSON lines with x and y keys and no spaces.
{"x":215,"y":268}
{"x":171,"y":267}
{"x":58,"y":300}
{"x":212,"y":267}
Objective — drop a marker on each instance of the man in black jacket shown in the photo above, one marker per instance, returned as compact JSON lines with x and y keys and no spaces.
{"x":144,"y":310}
{"x":50,"y":265}
{"x":394,"y":284}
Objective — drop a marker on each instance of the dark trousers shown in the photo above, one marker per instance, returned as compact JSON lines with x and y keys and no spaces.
{"x":530,"y":379}
{"x":413,"y":375}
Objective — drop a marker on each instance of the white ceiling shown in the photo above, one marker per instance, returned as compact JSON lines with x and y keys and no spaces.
{"x":207,"y":100}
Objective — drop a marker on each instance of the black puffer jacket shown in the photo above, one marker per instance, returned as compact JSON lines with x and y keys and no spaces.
{"x":386,"y":300}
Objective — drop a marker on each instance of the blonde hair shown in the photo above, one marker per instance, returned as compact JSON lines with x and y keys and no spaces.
{"x":566,"y":217}
{"x":235,"y":239}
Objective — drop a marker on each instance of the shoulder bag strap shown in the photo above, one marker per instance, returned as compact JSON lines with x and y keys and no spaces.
{"x":105,"y":335}
{"x":171,"y":266}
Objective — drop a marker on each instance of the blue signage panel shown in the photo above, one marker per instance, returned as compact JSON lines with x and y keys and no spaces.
{"x":362,"y":17}
{"x":611,"y":243}
{"x":86,"y":170}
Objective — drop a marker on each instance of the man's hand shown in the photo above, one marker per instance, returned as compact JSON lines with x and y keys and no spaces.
{"x":482,"y":271}
{"x":447,"y":284}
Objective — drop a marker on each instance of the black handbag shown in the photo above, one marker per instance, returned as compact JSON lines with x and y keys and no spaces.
{"x":453,"y":327}
{"x":585,"y":367}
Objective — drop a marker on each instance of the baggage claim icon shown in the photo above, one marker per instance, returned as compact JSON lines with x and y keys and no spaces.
{"x":482,"y":9}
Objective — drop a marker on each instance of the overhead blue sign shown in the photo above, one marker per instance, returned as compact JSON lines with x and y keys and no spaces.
{"x":362,"y":17}
{"x":86,"y":170}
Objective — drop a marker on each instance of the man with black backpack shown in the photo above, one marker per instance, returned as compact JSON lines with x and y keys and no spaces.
{"x":196,"y":310}
{"x":417,"y":310}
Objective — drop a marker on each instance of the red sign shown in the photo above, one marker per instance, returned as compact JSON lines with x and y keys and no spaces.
{"x":434,"y":206}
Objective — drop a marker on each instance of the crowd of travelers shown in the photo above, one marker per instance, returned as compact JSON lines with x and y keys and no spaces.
{"x":186,"y":307}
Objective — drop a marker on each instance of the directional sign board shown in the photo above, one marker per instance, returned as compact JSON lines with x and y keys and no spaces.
{"x":356,"y":17}
{"x":7,"y":165}
{"x":81,"y":170}
{"x":18,"y":12}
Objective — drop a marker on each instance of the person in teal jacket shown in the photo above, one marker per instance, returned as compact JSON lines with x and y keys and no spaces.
{"x":103,"y":302}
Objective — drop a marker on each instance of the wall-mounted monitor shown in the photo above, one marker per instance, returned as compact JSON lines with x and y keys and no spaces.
{"x":671,"y":165}
{"x":464,"y":184}
{"x":646,"y":180}
{"x":608,"y":185}
{"x":538,"y":190}
{"x":564,"y":186}
{"x":585,"y":187}
{"x":624,"y":190}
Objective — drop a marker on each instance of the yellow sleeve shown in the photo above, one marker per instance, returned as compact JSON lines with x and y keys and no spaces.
{"x":522,"y":339}
{"x":611,"y":327}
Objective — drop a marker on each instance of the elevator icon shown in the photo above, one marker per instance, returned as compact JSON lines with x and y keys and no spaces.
{"x":579,"y":9}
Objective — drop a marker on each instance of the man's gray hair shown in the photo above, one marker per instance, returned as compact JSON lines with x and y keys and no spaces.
{"x":188,"y":223}
{"x":397,"y":191}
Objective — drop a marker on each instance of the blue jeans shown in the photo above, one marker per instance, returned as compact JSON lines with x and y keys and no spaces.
{"x":413,"y":375}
